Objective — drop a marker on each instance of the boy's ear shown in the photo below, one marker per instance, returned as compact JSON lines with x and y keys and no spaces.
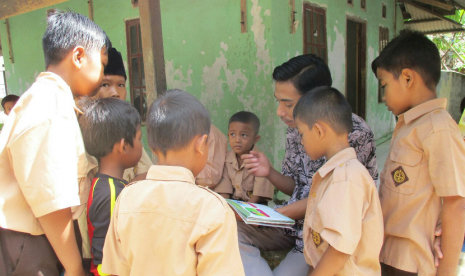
{"x":320,"y":129}
{"x":257,"y":138}
{"x":78,"y":55}
{"x":200,"y":144}
{"x":407,"y":77}
{"x":120,"y":146}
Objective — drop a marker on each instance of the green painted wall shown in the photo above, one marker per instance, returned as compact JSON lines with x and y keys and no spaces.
{"x":207,"y":55}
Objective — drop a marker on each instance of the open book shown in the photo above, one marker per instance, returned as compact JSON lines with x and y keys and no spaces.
{"x":258,"y":214}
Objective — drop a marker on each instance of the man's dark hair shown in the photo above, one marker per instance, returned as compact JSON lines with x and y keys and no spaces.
{"x":412,"y":50}
{"x":305,"y":72}
{"x":9,"y":98}
{"x":115,"y":64}
{"x":246,"y":117}
{"x":325,"y":104}
{"x":105,"y":122}
{"x":174,"y":119}
{"x":67,"y":30}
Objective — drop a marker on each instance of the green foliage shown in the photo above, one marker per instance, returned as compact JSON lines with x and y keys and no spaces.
{"x":452,"y":46}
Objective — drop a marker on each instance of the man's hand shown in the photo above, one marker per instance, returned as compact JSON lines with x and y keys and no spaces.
{"x":257,"y":164}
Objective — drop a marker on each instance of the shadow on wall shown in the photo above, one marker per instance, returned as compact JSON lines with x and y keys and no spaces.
{"x":452,"y":87}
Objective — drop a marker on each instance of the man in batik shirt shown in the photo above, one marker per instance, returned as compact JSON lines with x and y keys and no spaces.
{"x":293,"y":79}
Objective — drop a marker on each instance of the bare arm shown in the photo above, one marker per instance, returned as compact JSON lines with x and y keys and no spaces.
{"x":258,"y":165}
{"x":226,"y":196}
{"x":453,"y":228}
{"x":294,"y":210}
{"x":331,"y":262}
{"x":58,"y":227}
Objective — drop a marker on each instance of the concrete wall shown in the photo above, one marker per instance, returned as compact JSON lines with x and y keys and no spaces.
{"x":452,"y":86}
{"x":207,"y":55}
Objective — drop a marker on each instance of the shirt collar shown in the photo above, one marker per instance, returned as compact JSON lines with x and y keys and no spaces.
{"x":170,"y":173}
{"x":337,"y":160}
{"x":57,"y":80}
{"x":231,"y":158}
{"x":424,"y":108}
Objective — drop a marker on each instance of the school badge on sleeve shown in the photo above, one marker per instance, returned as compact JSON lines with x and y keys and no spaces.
{"x":317,"y":240}
{"x":399,"y":176}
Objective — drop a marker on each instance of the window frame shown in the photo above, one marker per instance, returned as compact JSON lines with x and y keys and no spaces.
{"x":320,"y":11}
{"x":139,"y":55}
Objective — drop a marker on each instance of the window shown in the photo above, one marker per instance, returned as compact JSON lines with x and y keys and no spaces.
{"x":383,"y":41}
{"x":315,"y":32}
{"x":136,"y":67}
{"x":350,"y":2}
{"x":384,"y":11}
{"x":363,"y":4}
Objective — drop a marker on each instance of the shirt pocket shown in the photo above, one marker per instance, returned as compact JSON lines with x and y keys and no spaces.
{"x":403,"y":170}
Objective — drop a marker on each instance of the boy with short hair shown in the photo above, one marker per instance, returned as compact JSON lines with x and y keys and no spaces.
{"x":43,"y":162}
{"x":343,"y":227}
{"x":168,"y":225}
{"x":237,"y":183}
{"x":111,"y":132}
{"x":422,"y":182}
{"x":114,"y":86}
{"x":8,"y":103}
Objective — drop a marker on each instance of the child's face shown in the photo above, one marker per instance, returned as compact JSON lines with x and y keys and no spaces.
{"x":395,"y":95}
{"x":8,"y":107}
{"x":91,"y":73}
{"x":242,"y":137}
{"x":134,"y":153}
{"x":309,"y":140}
{"x":113,"y":86}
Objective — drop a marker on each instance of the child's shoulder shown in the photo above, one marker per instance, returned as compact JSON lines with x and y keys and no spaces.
{"x":355,"y":173}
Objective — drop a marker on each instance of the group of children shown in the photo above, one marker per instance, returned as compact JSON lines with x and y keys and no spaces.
{"x":146,"y":219}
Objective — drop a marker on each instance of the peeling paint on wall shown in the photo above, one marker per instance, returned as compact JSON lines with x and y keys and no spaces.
{"x":175,"y":77}
{"x":335,"y":56}
{"x":263,"y":62}
{"x":213,"y":80}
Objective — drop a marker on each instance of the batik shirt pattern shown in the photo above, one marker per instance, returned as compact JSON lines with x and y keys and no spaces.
{"x":297,"y":164}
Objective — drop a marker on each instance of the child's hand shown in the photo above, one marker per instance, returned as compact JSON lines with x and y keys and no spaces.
{"x":437,"y":252}
{"x":257,"y":163}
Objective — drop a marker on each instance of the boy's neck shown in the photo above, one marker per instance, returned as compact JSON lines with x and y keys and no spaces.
{"x":111,"y":166}
{"x":60,"y":70}
{"x":181,"y":158}
{"x":338,"y":144}
{"x":420,"y":97}
{"x":239,"y":159}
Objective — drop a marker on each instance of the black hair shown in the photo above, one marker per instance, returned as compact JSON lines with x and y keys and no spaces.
{"x":174,"y":119}
{"x":411,"y":50}
{"x":67,"y":30}
{"x":246,"y":117}
{"x":325,"y":104}
{"x":115,"y":64}
{"x":9,"y":98}
{"x":105,"y":122}
{"x":305,"y":72}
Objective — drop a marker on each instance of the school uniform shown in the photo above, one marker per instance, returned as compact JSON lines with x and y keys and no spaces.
{"x":237,"y":181}
{"x":343,"y":211}
{"x":424,"y":164}
{"x":168,"y":225}
{"x":43,"y":168}
{"x":211,"y":175}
